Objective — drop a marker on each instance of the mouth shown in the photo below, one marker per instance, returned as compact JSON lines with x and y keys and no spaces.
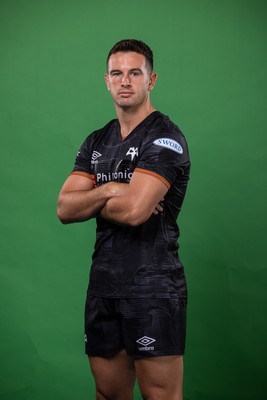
{"x":125,"y":93}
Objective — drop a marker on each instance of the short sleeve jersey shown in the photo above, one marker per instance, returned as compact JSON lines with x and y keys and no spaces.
{"x":139,"y":261}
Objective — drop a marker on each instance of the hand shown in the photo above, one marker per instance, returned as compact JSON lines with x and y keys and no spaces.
{"x":159,"y":207}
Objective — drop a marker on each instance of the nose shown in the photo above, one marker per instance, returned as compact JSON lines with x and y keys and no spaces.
{"x":125,"y":81}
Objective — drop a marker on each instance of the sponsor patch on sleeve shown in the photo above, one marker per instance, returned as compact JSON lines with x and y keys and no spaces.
{"x":169,"y":144}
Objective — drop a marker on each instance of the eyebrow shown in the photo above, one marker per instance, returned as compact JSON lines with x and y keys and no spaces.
{"x":131,"y":70}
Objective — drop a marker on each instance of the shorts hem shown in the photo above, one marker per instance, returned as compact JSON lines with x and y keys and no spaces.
{"x":133,"y":356}
{"x":143,"y":356}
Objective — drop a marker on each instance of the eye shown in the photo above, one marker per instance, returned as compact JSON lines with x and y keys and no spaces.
{"x":135,"y":73}
{"x":115,"y":73}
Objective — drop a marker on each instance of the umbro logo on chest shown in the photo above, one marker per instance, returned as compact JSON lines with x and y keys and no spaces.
{"x":95,"y":156}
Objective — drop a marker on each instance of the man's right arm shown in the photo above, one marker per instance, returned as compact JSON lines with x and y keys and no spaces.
{"x":79,"y":201}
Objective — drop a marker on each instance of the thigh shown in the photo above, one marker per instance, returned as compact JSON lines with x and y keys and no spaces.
{"x":160,"y":377}
{"x":114,"y":376}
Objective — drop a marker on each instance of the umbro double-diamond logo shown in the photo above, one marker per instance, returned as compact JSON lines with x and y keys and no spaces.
{"x":145,"y":340}
{"x":145,"y":343}
{"x":95,"y":155}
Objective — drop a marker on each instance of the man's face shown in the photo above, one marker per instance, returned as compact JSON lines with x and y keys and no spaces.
{"x":128,"y":79}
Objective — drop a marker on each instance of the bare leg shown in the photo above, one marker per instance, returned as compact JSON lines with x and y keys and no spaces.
{"x":160,"y":378}
{"x":114,"y":377}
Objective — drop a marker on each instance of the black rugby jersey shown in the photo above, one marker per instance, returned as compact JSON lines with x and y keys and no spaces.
{"x":139,"y":261}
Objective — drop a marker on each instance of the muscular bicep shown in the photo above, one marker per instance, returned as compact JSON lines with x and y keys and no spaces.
{"x":79,"y":201}
{"x":75,"y":202}
{"x":75,"y":183}
{"x":136,"y":206}
{"x":146,"y":191}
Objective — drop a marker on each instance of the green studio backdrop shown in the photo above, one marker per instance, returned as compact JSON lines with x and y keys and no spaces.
{"x":211,"y":61}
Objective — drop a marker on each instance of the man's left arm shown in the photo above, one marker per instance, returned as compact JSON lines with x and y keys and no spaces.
{"x":142,"y":199}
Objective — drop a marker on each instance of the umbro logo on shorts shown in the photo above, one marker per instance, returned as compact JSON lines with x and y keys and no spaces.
{"x":145,"y":341}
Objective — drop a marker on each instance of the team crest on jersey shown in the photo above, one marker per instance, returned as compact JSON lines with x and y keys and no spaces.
{"x":133,"y":151}
{"x":169,"y":144}
{"x":95,"y":155}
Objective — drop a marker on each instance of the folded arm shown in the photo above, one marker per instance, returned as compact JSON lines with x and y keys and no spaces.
{"x":79,"y":201}
{"x":135,"y":206}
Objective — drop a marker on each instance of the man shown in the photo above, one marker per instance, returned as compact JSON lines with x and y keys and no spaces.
{"x":132,"y":176}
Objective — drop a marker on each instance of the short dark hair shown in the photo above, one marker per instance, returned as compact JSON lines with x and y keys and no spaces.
{"x":133,"y":45}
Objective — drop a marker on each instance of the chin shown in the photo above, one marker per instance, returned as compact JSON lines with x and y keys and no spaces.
{"x":125,"y":104}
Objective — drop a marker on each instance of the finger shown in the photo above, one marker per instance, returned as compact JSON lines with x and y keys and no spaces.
{"x":159,"y":207}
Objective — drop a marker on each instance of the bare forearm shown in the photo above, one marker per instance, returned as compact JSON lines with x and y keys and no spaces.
{"x":81,"y":205}
{"x":125,"y":210}
{"x":134,"y":207}
{"x":116,"y":212}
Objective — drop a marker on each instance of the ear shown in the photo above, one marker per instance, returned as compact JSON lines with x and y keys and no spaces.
{"x":152,"y":80}
{"x":107,"y":81}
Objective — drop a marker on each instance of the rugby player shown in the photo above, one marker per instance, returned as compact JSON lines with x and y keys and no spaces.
{"x":131,"y":175}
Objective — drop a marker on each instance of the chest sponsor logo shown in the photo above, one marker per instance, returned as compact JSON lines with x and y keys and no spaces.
{"x":133,"y":151}
{"x":145,"y":343}
{"x":121,"y":176}
{"x":122,"y":173}
{"x":95,"y":156}
{"x":169,"y":144}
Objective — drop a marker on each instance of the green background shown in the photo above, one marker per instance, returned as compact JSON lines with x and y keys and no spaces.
{"x":212,"y":63}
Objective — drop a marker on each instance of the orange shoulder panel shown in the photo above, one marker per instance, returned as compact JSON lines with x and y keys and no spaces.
{"x":145,"y":171}
{"x":89,"y":176}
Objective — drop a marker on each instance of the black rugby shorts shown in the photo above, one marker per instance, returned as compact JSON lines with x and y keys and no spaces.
{"x":143,"y":327}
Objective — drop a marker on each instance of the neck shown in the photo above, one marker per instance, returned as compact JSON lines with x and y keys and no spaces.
{"x":129,"y":118}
